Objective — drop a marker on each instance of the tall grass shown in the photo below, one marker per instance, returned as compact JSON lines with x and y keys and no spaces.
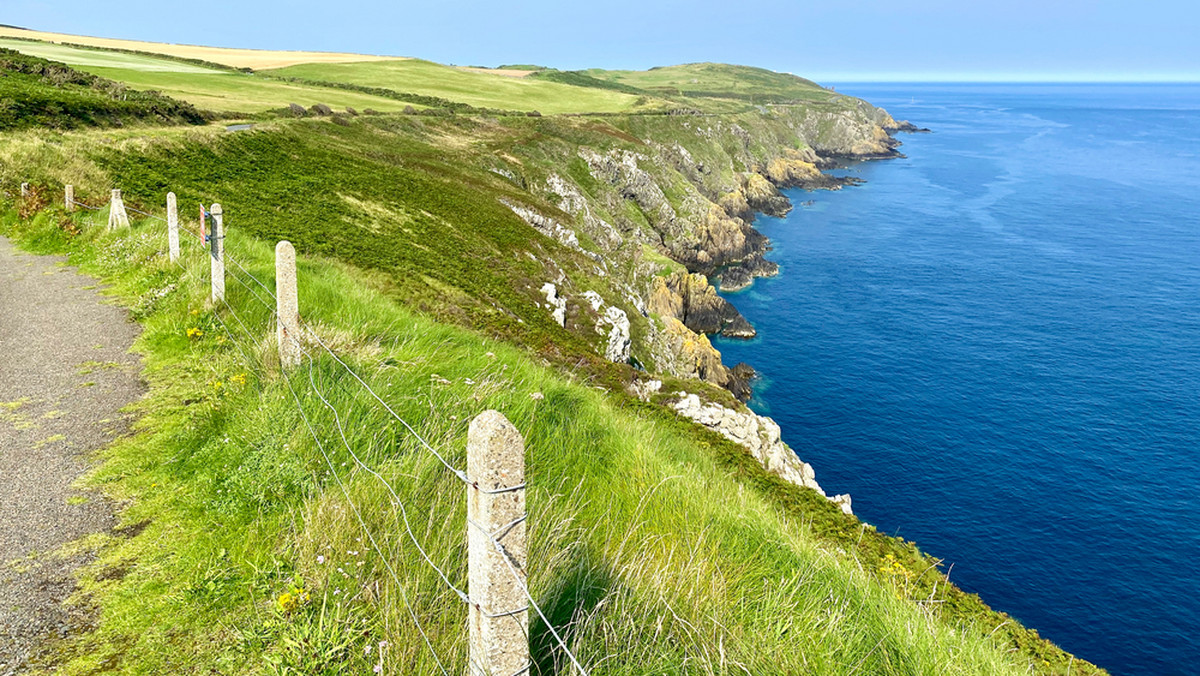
{"x":242,"y":552}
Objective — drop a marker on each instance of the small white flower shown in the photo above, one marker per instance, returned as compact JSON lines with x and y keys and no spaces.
{"x":320,"y":558}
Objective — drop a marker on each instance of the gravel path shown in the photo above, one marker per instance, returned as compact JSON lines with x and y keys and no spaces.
{"x":65,"y":372}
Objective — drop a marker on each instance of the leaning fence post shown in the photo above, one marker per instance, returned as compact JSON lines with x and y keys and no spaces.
{"x":216,"y":247}
{"x":287,"y":305}
{"x":498,"y":616}
{"x":117,"y":218}
{"x":24,"y":190}
{"x":172,"y":227}
{"x":69,"y":198}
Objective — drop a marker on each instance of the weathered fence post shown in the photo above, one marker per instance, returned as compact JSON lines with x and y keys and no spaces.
{"x":117,"y":218}
{"x":172,"y":227}
{"x":69,"y":198}
{"x":216,"y":247}
{"x":24,"y":190}
{"x":287,"y":305}
{"x":499,"y":614}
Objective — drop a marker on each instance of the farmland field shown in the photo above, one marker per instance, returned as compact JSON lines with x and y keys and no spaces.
{"x":234,"y":58}
{"x":472,"y":87}
{"x":207,"y":88}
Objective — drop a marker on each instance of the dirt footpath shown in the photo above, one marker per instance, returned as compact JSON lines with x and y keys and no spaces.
{"x":65,"y":373}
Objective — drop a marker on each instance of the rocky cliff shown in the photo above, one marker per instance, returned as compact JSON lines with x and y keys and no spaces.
{"x":664,"y":205}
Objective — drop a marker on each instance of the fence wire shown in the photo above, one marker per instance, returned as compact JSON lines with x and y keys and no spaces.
{"x":310,"y":333}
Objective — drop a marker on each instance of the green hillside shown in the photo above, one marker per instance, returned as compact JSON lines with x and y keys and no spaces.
{"x":35,"y":93}
{"x":206,"y":88}
{"x":717,"y":80}
{"x":481,"y":90}
{"x":657,"y":545}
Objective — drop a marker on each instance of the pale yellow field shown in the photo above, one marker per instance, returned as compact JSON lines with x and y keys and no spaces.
{"x":506,"y":72}
{"x":236,"y":58}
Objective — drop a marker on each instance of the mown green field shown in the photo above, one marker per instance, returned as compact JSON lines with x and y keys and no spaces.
{"x":74,"y":56}
{"x":717,"y":80}
{"x":206,"y":88}
{"x":482,"y":90}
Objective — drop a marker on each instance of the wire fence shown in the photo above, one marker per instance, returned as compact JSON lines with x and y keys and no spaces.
{"x":306,"y":340}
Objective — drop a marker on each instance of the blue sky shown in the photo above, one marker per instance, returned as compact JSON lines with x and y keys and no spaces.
{"x":830,"y":41}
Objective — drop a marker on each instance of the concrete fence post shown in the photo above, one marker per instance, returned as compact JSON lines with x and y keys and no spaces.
{"x":172,"y":227}
{"x":287,"y":305}
{"x":69,"y":198}
{"x":216,"y":247}
{"x":117,"y":218}
{"x":498,"y":617}
{"x":24,"y":190}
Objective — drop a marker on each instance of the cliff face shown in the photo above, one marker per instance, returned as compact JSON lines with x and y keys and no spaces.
{"x":687,"y":189}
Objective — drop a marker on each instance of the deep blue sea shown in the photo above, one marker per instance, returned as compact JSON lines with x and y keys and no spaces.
{"x":994,"y":346}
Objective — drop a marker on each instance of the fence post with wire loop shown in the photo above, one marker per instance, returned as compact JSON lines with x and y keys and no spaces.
{"x":498,"y":616}
{"x":69,"y":198}
{"x":216,"y":248}
{"x":117,"y":218}
{"x":172,"y":227}
{"x":287,"y":305}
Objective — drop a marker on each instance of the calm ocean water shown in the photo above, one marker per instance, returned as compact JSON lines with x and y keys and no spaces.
{"x":994,"y":346}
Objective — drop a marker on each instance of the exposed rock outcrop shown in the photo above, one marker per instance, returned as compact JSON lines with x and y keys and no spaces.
{"x":739,"y":276}
{"x":617,"y":348}
{"x":683,"y":353}
{"x":544,"y":224}
{"x":693,"y":301}
{"x":764,"y":197}
{"x":759,"y":435}
{"x":558,"y":304}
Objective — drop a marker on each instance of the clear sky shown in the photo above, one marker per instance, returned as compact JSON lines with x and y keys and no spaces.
{"x":830,"y":41}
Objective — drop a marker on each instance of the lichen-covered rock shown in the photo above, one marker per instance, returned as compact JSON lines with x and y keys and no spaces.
{"x":683,"y":353}
{"x":759,"y":435}
{"x":793,"y":168}
{"x":764,"y":197}
{"x":693,"y":301}
{"x":741,"y":275}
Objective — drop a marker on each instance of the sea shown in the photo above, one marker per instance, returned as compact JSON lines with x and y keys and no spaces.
{"x":993,"y":345}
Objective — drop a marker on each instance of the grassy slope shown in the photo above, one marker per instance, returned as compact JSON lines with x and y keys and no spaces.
{"x":477,"y":89}
{"x":779,"y":582}
{"x":39,"y":93}
{"x":654,"y":554}
{"x":717,"y":80}
{"x":206,"y":88}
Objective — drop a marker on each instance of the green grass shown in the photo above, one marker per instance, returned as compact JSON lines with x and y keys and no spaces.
{"x":476,"y":89}
{"x":244,"y":92}
{"x":205,"y":88}
{"x":96,"y":58}
{"x":717,"y":80}
{"x":649,"y":548}
{"x":35,"y":93}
